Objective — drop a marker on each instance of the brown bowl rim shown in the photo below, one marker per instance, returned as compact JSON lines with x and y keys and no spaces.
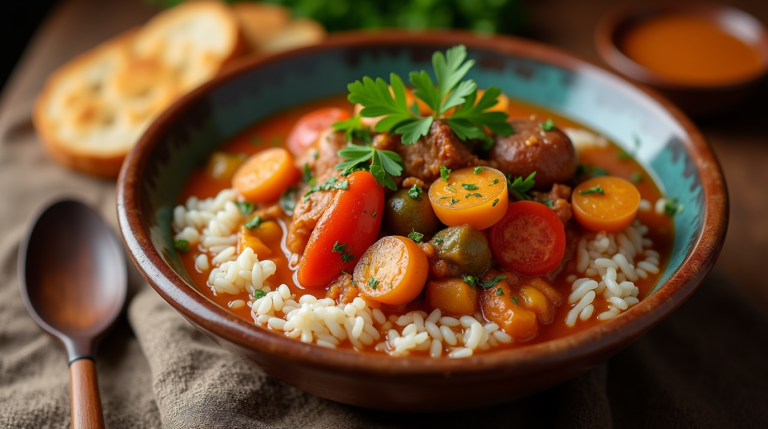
{"x":193,"y":305}
{"x":620,"y":16}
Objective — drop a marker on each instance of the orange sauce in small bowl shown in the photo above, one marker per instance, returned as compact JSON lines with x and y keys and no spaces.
{"x":690,"y":49}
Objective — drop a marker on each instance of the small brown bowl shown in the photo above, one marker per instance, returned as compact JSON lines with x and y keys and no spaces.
{"x":185,"y":135}
{"x":695,"y":99}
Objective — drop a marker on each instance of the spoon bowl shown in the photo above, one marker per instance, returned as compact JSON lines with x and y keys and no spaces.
{"x":74,"y":282}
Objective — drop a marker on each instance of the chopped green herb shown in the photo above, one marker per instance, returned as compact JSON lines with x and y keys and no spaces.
{"x":258,"y":293}
{"x":519,"y":187}
{"x":354,"y":129}
{"x":342,"y":249}
{"x":327,"y":186}
{"x":383,"y":165}
{"x":594,"y":190}
{"x":438,"y":240}
{"x":475,"y":281}
{"x":548,"y":125}
{"x":181,"y":245}
{"x":672,"y":207}
{"x":347,"y":257}
{"x":547,"y":202}
{"x":475,"y":194}
{"x":496,"y":201}
{"x":493,"y":182}
{"x":471,"y":280}
{"x":493,"y":282}
{"x":415,"y":191}
{"x":454,"y":201}
{"x":306,"y":173}
{"x":467,"y":120}
{"x":582,"y":169}
{"x":514,"y":299}
{"x":373,"y":214}
{"x":288,"y":200}
{"x":315,"y":154}
{"x":373,"y":283}
{"x":499,"y":292}
{"x":342,"y":185}
{"x":624,"y":156}
{"x":253,"y":223}
{"x":256,"y":140}
{"x":469,"y":186}
{"x":245,"y":207}
{"x":415,"y":236}
{"x":478,"y":169}
{"x":445,"y":197}
{"x":636,"y":177}
{"x":452,"y":190}
{"x":444,"y":172}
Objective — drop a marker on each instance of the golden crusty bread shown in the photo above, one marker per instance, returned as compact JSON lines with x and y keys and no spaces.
{"x":94,"y":108}
{"x":299,"y":32}
{"x":260,"y":21}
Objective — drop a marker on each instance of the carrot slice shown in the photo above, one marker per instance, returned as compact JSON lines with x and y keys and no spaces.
{"x":309,"y":127}
{"x":392,"y":271}
{"x":498,"y":307}
{"x":606,"y":203}
{"x":469,"y":197}
{"x":266,"y":175}
{"x":453,"y":296}
{"x":530,"y":239}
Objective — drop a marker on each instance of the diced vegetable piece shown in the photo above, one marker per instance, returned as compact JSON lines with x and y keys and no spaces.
{"x":498,"y":307}
{"x":464,"y":247}
{"x":268,"y":231}
{"x":222,"y":165}
{"x":309,"y":127}
{"x":479,"y":199}
{"x":403,"y":214}
{"x":393,"y":271}
{"x":248,"y":238}
{"x":346,"y":229}
{"x":533,"y":300}
{"x":606,"y":203}
{"x":530,"y":239}
{"x":452,"y":296}
{"x":545,"y":288}
{"x":266,"y":175}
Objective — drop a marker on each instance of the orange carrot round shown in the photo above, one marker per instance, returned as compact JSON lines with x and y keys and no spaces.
{"x":606,"y":203}
{"x":476,"y":196}
{"x":266,"y":175}
{"x":392,"y":271}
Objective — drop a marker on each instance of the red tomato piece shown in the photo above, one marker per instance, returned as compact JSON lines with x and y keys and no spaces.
{"x":345,"y":231}
{"x":308,"y":128}
{"x":529,"y":239}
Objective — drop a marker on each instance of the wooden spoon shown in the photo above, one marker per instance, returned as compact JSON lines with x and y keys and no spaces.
{"x":73,"y":282}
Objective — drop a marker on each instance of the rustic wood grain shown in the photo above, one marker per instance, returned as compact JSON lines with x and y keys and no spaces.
{"x":86,"y":404}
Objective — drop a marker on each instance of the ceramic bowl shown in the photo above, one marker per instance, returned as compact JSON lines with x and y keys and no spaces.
{"x":191,"y":129}
{"x":697,"y":100}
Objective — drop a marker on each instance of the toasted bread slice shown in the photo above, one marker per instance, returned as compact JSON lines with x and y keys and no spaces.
{"x":260,"y":21}
{"x":299,"y":32}
{"x":94,"y":109}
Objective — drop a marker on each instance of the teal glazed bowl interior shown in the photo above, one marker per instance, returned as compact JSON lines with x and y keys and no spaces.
{"x":183,"y":137}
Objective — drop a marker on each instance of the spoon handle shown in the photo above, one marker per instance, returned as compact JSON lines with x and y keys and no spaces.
{"x":86,"y":404}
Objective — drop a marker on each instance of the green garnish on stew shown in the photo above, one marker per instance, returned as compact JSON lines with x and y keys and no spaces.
{"x":383,"y":165}
{"x":181,"y":245}
{"x":672,"y":207}
{"x":438,"y":240}
{"x":475,"y":281}
{"x":258,"y":293}
{"x":467,"y":121}
{"x":475,"y":194}
{"x":594,"y":190}
{"x":415,"y":191}
{"x":306,"y":173}
{"x":636,"y":177}
{"x":478,"y":169}
{"x":415,"y":236}
{"x":519,"y":187}
{"x":342,"y":250}
{"x":499,"y":292}
{"x":315,"y":154}
{"x":514,"y":299}
{"x":496,"y":201}
{"x":253,"y":223}
{"x":582,"y":169}
{"x":373,"y":283}
{"x":548,"y":125}
{"x":454,"y":201}
{"x":493,"y":182}
{"x":547,"y":202}
{"x":354,"y":130}
{"x":287,"y":201}
{"x":469,"y":186}
{"x":452,"y":190}
{"x":444,"y":173}
{"x":245,"y":207}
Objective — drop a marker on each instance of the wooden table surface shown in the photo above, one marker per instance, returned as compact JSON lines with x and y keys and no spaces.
{"x":739,"y":138}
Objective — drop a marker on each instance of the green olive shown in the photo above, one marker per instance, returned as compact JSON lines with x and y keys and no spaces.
{"x":465,"y":247}
{"x":403,"y":214}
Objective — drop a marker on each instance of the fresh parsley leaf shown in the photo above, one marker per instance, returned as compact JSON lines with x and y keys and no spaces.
{"x":636,"y":177}
{"x":493,"y":182}
{"x":499,"y":292}
{"x":470,"y":186}
{"x":258,"y":293}
{"x":315,"y":154}
{"x":288,"y":200}
{"x":519,"y":187}
{"x":373,"y":283}
{"x":593,"y":190}
{"x":547,"y":202}
{"x":548,"y":125}
{"x":454,"y":201}
{"x":383,"y":163}
{"x":353,"y":130}
{"x":496,"y":201}
{"x":492,"y":282}
{"x":245,"y":207}
{"x":471,"y":280}
{"x":181,"y":245}
{"x":514,"y":299}
{"x":452,"y":190}
{"x":342,"y":250}
{"x":347,"y":257}
{"x":478,"y":169}
{"x":438,"y":240}
{"x":475,"y":194}
{"x":582,"y":169}
{"x":672,"y":207}
{"x":415,"y":191}
{"x":344,"y":184}
{"x":444,"y":172}
{"x":415,"y":236}
{"x":325,"y":186}
{"x":306,"y":173}
{"x":253,"y":223}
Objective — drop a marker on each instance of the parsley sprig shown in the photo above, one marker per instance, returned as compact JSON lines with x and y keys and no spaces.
{"x":383,"y":163}
{"x":467,"y":120}
{"x":519,"y":187}
{"x":475,"y":281}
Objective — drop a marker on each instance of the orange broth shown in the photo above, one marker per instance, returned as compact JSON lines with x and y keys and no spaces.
{"x":690,"y":49}
{"x":272,"y":131}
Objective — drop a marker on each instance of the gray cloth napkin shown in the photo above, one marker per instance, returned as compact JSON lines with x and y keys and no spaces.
{"x":706,"y":366}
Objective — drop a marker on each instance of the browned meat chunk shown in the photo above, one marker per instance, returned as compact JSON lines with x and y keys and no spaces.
{"x":549,"y":153}
{"x":440,"y":147}
{"x":342,"y":290}
{"x":557,"y":198}
{"x":307,"y":214}
{"x":321,"y":155}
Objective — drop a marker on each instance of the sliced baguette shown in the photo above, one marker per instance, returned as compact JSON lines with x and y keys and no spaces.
{"x":260,"y":21}
{"x":299,"y":32}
